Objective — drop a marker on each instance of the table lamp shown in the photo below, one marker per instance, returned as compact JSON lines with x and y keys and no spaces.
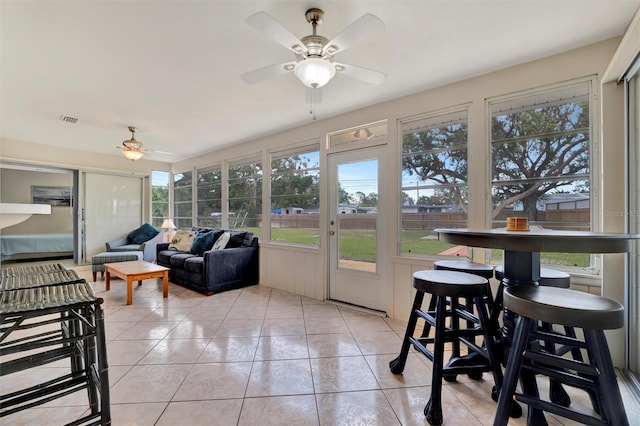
{"x":167,"y":226}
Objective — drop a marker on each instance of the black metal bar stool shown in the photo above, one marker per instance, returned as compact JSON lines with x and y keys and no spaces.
{"x":528,"y":357}
{"x":554,"y":278}
{"x":483,"y":270}
{"x":442,"y":284}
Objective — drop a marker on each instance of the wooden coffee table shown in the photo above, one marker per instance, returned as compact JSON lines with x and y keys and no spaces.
{"x":137,"y":270}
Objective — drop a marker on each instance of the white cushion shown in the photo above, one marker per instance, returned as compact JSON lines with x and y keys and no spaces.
{"x":221,"y":242}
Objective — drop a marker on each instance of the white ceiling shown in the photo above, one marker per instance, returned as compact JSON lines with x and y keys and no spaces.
{"x":172,"y":67}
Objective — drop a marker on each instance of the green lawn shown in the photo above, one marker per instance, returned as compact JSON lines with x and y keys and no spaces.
{"x":360,"y":245}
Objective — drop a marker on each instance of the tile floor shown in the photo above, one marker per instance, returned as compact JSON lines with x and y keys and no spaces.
{"x":256,"y":356}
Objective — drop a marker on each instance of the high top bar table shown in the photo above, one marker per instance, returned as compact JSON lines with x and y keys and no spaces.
{"x":522,"y":257}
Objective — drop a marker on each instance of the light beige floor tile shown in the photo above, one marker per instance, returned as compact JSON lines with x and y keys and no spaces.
{"x":146,"y":414}
{"x":272,"y":378}
{"x":332,"y":345}
{"x":191,"y":329}
{"x":175,"y":351}
{"x":296,"y":410}
{"x":283,"y":327}
{"x":229,"y":349}
{"x":309,"y":301}
{"x":208,"y":313}
{"x":282,"y":347}
{"x":342,"y":374}
{"x":226,"y":298}
{"x":415,"y":373}
{"x":325,"y":310}
{"x":248,"y":310}
{"x":285,"y":299}
{"x":149,"y":383}
{"x":284,"y":311}
{"x":366,"y":324}
{"x":167,"y":313}
{"x":224,"y":412}
{"x":128,"y":352}
{"x":147,"y":330}
{"x":129,"y":313}
{"x":239,"y":328}
{"x":397,"y":325}
{"x":325,"y":325}
{"x":116,"y":372}
{"x":112,"y":329}
{"x":355,"y":408}
{"x":409,"y":404}
{"x":201,"y":374}
{"x":215,"y":381}
{"x":383,"y":342}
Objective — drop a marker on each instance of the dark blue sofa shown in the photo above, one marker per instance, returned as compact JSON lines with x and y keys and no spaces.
{"x":215,"y":271}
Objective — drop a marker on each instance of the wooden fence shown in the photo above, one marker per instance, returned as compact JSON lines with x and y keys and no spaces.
{"x":574,"y":219}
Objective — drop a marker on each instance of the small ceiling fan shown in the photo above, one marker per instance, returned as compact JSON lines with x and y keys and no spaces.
{"x":133,"y":149}
{"x":314,"y":65}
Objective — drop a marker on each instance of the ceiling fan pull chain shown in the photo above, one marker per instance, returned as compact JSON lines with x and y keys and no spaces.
{"x":313,"y":102}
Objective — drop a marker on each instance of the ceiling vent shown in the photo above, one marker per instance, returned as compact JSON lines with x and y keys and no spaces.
{"x":68,"y":119}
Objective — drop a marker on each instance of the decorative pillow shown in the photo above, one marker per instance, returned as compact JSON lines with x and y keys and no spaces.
{"x":202,"y":242}
{"x":142,"y":234}
{"x":237,"y":238}
{"x":182,"y":241}
{"x":216,"y":234}
{"x":221,"y":242}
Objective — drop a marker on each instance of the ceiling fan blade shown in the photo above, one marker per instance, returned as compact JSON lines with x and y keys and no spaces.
{"x":267,"y":24}
{"x":267,"y":73}
{"x":361,"y":28}
{"x":161,"y":152}
{"x":360,"y":73}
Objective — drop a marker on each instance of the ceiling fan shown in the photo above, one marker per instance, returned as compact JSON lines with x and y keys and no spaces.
{"x":314,"y":65}
{"x":133,"y":149}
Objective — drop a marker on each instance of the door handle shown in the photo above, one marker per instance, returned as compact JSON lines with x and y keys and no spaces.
{"x":332,"y":233}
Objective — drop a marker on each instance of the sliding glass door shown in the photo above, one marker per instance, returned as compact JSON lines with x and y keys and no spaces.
{"x":633,"y":297}
{"x":112,"y":207}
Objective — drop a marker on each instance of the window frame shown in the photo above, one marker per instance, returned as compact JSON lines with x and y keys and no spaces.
{"x":304,"y":148}
{"x":157,"y":220}
{"x":211,"y":220}
{"x":447,"y":118}
{"x":182,"y":221}
{"x":255,"y":161}
{"x":591,"y":84}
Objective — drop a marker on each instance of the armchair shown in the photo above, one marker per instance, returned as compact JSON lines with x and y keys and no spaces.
{"x":143,"y":239}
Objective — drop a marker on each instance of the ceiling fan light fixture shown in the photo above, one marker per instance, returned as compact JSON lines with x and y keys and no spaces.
{"x":131,"y":148}
{"x":132,"y":154}
{"x":314,"y":72}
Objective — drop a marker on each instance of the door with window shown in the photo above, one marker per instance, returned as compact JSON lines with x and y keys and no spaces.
{"x":355,"y":228}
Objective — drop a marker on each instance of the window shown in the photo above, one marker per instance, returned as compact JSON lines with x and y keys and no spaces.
{"x":434,"y":181}
{"x":245,"y":195}
{"x":209,"y":197}
{"x":159,"y":197}
{"x":295,"y":200}
{"x":540,"y":151}
{"x":182,"y":200}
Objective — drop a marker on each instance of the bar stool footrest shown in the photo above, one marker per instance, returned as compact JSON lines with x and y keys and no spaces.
{"x":559,"y":410}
